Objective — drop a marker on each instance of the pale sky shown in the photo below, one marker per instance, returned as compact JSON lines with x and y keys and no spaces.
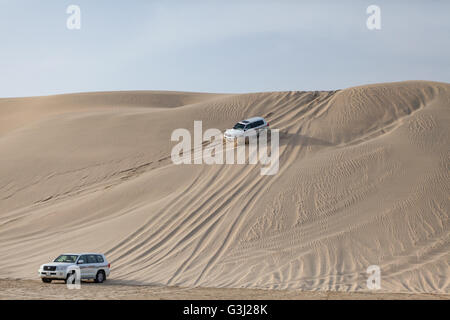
{"x":218,"y":46}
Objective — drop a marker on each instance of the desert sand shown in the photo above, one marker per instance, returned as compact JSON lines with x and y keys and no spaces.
{"x":363,"y":180}
{"x":118,"y":290}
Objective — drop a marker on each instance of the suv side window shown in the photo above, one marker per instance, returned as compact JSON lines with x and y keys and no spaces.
{"x":84,"y":258}
{"x":100,"y":259}
{"x":254,"y":124}
{"x":258,"y":123}
{"x":91,"y":259}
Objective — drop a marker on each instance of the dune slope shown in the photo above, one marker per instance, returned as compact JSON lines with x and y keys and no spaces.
{"x":363,"y":180}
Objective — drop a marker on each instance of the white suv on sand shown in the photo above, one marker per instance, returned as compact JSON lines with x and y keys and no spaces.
{"x":246,"y":128}
{"x":92,"y":266}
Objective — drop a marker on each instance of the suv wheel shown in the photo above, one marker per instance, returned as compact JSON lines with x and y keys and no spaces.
{"x":46,"y":280}
{"x":100,"y":277}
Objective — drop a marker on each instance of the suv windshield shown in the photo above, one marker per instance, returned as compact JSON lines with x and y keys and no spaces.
{"x":239,"y":126}
{"x":66,"y":258}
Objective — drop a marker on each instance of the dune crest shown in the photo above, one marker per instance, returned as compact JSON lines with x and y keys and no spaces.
{"x":363,"y":180}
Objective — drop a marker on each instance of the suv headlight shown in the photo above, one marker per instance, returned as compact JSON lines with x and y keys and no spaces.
{"x":60,"y":268}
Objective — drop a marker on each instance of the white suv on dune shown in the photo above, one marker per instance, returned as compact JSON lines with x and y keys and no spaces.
{"x":92,"y":266}
{"x":246,"y":128}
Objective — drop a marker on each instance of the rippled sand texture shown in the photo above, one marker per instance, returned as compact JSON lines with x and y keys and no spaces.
{"x":363,"y":180}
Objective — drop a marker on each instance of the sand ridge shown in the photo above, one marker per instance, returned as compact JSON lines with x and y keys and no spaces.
{"x":363,"y":181}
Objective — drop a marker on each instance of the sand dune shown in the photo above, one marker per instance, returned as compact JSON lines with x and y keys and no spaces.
{"x":363,"y":180}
